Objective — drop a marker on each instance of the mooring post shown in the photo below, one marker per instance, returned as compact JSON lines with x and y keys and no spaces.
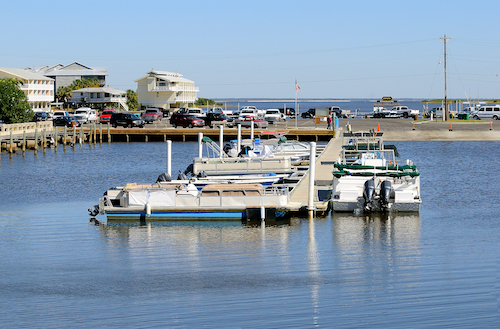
{"x":11,"y":142}
{"x":221,"y":139}
{"x":200,"y":145}
{"x":312,"y":173}
{"x":24,"y":141}
{"x":55,"y":137}
{"x":44,"y":140}
{"x":169,"y":158}
{"x":81,"y":136}
{"x":100,"y":133}
{"x":238,"y":144}
{"x":109,"y":132}
{"x":65,"y":134}
{"x":74,"y":136}
{"x":36,"y":138}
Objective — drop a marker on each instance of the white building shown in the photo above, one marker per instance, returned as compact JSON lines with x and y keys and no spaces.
{"x":38,"y":89}
{"x":100,"y":95}
{"x":165,"y":90}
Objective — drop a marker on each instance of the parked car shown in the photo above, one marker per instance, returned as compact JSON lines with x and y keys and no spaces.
{"x":186,"y":120}
{"x":58,"y":114}
{"x":273,"y":115}
{"x":218,"y":117}
{"x":196,"y":112}
{"x":247,"y":122}
{"x":487,"y":113}
{"x":66,"y":121}
{"x":106,"y":115}
{"x":309,"y":114}
{"x":220,"y":110}
{"x":249,"y":112}
{"x":126,"y":120}
{"x":86,"y":114}
{"x":166,"y":113}
{"x":40,"y":116}
{"x":152,"y":114}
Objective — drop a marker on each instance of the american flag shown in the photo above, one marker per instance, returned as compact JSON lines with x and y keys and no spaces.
{"x":297,"y":88}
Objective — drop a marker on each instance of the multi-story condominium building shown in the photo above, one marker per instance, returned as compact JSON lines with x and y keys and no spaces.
{"x":39,"y":89}
{"x":101,"y":95}
{"x":64,"y":75}
{"x":165,"y":90}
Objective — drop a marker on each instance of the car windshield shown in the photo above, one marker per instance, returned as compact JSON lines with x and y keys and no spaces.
{"x":150,"y":111}
{"x":247,"y":111}
{"x":81,"y":112}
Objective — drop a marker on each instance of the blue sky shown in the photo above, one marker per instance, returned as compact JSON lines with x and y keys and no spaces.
{"x":256,"y":49}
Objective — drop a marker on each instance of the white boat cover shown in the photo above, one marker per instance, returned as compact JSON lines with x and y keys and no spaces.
{"x":163,"y":198}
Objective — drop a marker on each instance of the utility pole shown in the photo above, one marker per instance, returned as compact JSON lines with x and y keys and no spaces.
{"x":445,"y":112}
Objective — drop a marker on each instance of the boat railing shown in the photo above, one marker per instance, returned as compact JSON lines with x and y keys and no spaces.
{"x":246,"y":164}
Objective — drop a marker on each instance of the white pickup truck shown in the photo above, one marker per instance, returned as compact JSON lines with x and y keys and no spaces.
{"x":405,"y":112}
{"x":252,"y":112}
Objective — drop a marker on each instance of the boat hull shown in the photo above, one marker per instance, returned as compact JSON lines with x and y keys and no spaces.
{"x":346,"y":206}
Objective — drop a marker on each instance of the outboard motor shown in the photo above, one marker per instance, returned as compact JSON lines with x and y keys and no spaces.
{"x":385,"y":194}
{"x":227,"y":147}
{"x":181,"y":176}
{"x":244,"y":151}
{"x":94,"y":212}
{"x":202,"y":174}
{"x":164,"y":178}
{"x":369,"y":194}
{"x":189,"y":169}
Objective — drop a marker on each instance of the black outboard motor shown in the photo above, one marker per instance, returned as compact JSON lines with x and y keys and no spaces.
{"x":227,"y":147}
{"x":189,"y":169}
{"x":95,"y":211}
{"x":164,"y":178}
{"x":182,"y":176}
{"x":244,"y":151}
{"x":385,"y":194}
{"x":369,"y":194}
{"x":202,"y":174}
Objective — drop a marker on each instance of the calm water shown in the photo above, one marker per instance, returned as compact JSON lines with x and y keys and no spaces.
{"x":436,"y":269}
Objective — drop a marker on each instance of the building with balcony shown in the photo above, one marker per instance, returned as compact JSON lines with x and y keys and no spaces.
{"x":64,"y":75}
{"x":39,"y":89}
{"x":165,"y":90}
{"x":102,"y":97}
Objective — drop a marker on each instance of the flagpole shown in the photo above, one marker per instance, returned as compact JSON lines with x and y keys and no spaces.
{"x":296,"y":109}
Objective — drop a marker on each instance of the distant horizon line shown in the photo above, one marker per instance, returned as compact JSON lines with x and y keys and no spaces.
{"x":318,"y":100}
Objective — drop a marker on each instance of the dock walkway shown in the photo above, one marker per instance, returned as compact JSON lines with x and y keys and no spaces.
{"x":322,"y":183}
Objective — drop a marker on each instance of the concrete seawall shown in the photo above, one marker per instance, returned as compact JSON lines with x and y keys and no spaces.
{"x":436,"y":135}
{"x":409,"y":130}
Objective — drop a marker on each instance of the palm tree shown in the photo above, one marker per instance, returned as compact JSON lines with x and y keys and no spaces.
{"x":132,"y":100}
{"x":63,"y":94}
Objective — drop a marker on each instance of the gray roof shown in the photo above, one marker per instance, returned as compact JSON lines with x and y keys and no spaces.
{"x":72,"y":69}
{"x":108,"y":90}
{"x":23,"y":74}
{"x":167,"y":76}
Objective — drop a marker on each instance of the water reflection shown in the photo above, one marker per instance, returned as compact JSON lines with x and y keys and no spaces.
{"x":376,"y":246}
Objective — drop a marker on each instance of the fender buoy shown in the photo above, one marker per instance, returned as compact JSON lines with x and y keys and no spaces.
{"x":148,"y":209}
